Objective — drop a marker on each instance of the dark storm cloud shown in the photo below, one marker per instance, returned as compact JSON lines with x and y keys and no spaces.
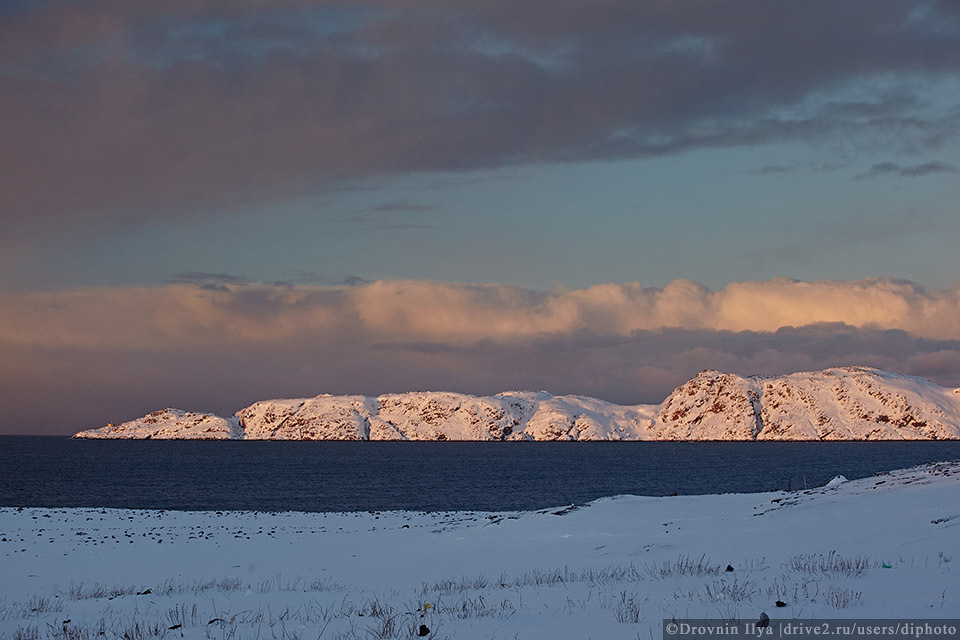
{"x":115,"y":109}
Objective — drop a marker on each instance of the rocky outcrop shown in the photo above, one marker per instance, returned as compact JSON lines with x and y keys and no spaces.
{"x":712,"y":406}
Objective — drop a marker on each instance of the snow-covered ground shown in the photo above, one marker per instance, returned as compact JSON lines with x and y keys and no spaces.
{"x":882,"y":547}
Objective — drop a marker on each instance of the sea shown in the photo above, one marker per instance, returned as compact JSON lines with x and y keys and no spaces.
{"x":50,"y":471}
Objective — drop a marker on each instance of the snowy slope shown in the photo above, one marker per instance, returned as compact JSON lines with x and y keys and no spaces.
{"x":512,"y":415}
{"x":858,"y":404}
{"x":321,"y":418}
{"x":171,"y":424}
{"x":444,"y":416}
{"x":881,"y":547}
{"x":852,"y":403}
{"x":844,"y":403}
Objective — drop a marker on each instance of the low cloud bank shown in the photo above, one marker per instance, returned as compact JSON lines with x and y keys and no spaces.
{"x":405,"y":311}
{"x":81,"y":358}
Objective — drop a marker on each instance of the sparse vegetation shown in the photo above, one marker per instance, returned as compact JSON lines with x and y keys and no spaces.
{"x":729,"y":591}
{"x":626,"y":608}
{"x":684,"y":566}
{"x":39,"y":606}
{"x":831,"y":563}
{"x":841,"y":598}
{"x":30,"y":632}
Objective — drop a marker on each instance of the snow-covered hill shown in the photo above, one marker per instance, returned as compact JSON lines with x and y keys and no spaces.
{"x":171,"y":424}
{"x":404,"y":416}
{"x":849,"y":403}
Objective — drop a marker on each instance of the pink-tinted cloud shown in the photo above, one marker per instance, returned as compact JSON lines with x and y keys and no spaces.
{"x":388,"y":312}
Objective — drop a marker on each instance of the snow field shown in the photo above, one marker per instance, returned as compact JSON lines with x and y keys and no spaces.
{"x":881,"y":547}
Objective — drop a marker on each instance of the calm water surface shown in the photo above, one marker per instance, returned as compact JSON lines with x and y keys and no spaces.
{"x":362,"y":476}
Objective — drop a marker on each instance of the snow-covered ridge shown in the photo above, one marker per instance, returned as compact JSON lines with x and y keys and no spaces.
{"x":849,"y":403}
{"x":511,"y":415}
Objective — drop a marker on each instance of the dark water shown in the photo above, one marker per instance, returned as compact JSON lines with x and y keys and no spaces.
{"x":361,"y":476}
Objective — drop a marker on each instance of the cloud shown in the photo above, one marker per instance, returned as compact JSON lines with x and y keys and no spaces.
{"x":908,"y":171}
{"x":771,"y":169}
{"x":387,"y":312}
{"x":124,"y":110}
{"x":311,"y":278}
{"x":402,"y":206}
{"x":210,"y":281}
{"x":395,"y":214}
{"x":80,"y":358}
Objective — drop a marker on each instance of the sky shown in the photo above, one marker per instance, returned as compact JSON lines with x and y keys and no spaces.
{"x":208,"y":203}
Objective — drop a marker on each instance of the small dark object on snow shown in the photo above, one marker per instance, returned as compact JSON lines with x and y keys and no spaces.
{"x":424,"y":630}
{"x":144,"y":593}
{"x":220,"y":620}
{"x":781,"y":603}
{"x":764,"y":620}
{"x":729,"y":568}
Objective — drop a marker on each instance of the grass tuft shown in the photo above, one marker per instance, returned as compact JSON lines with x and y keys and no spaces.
{"x":831,"y":563}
